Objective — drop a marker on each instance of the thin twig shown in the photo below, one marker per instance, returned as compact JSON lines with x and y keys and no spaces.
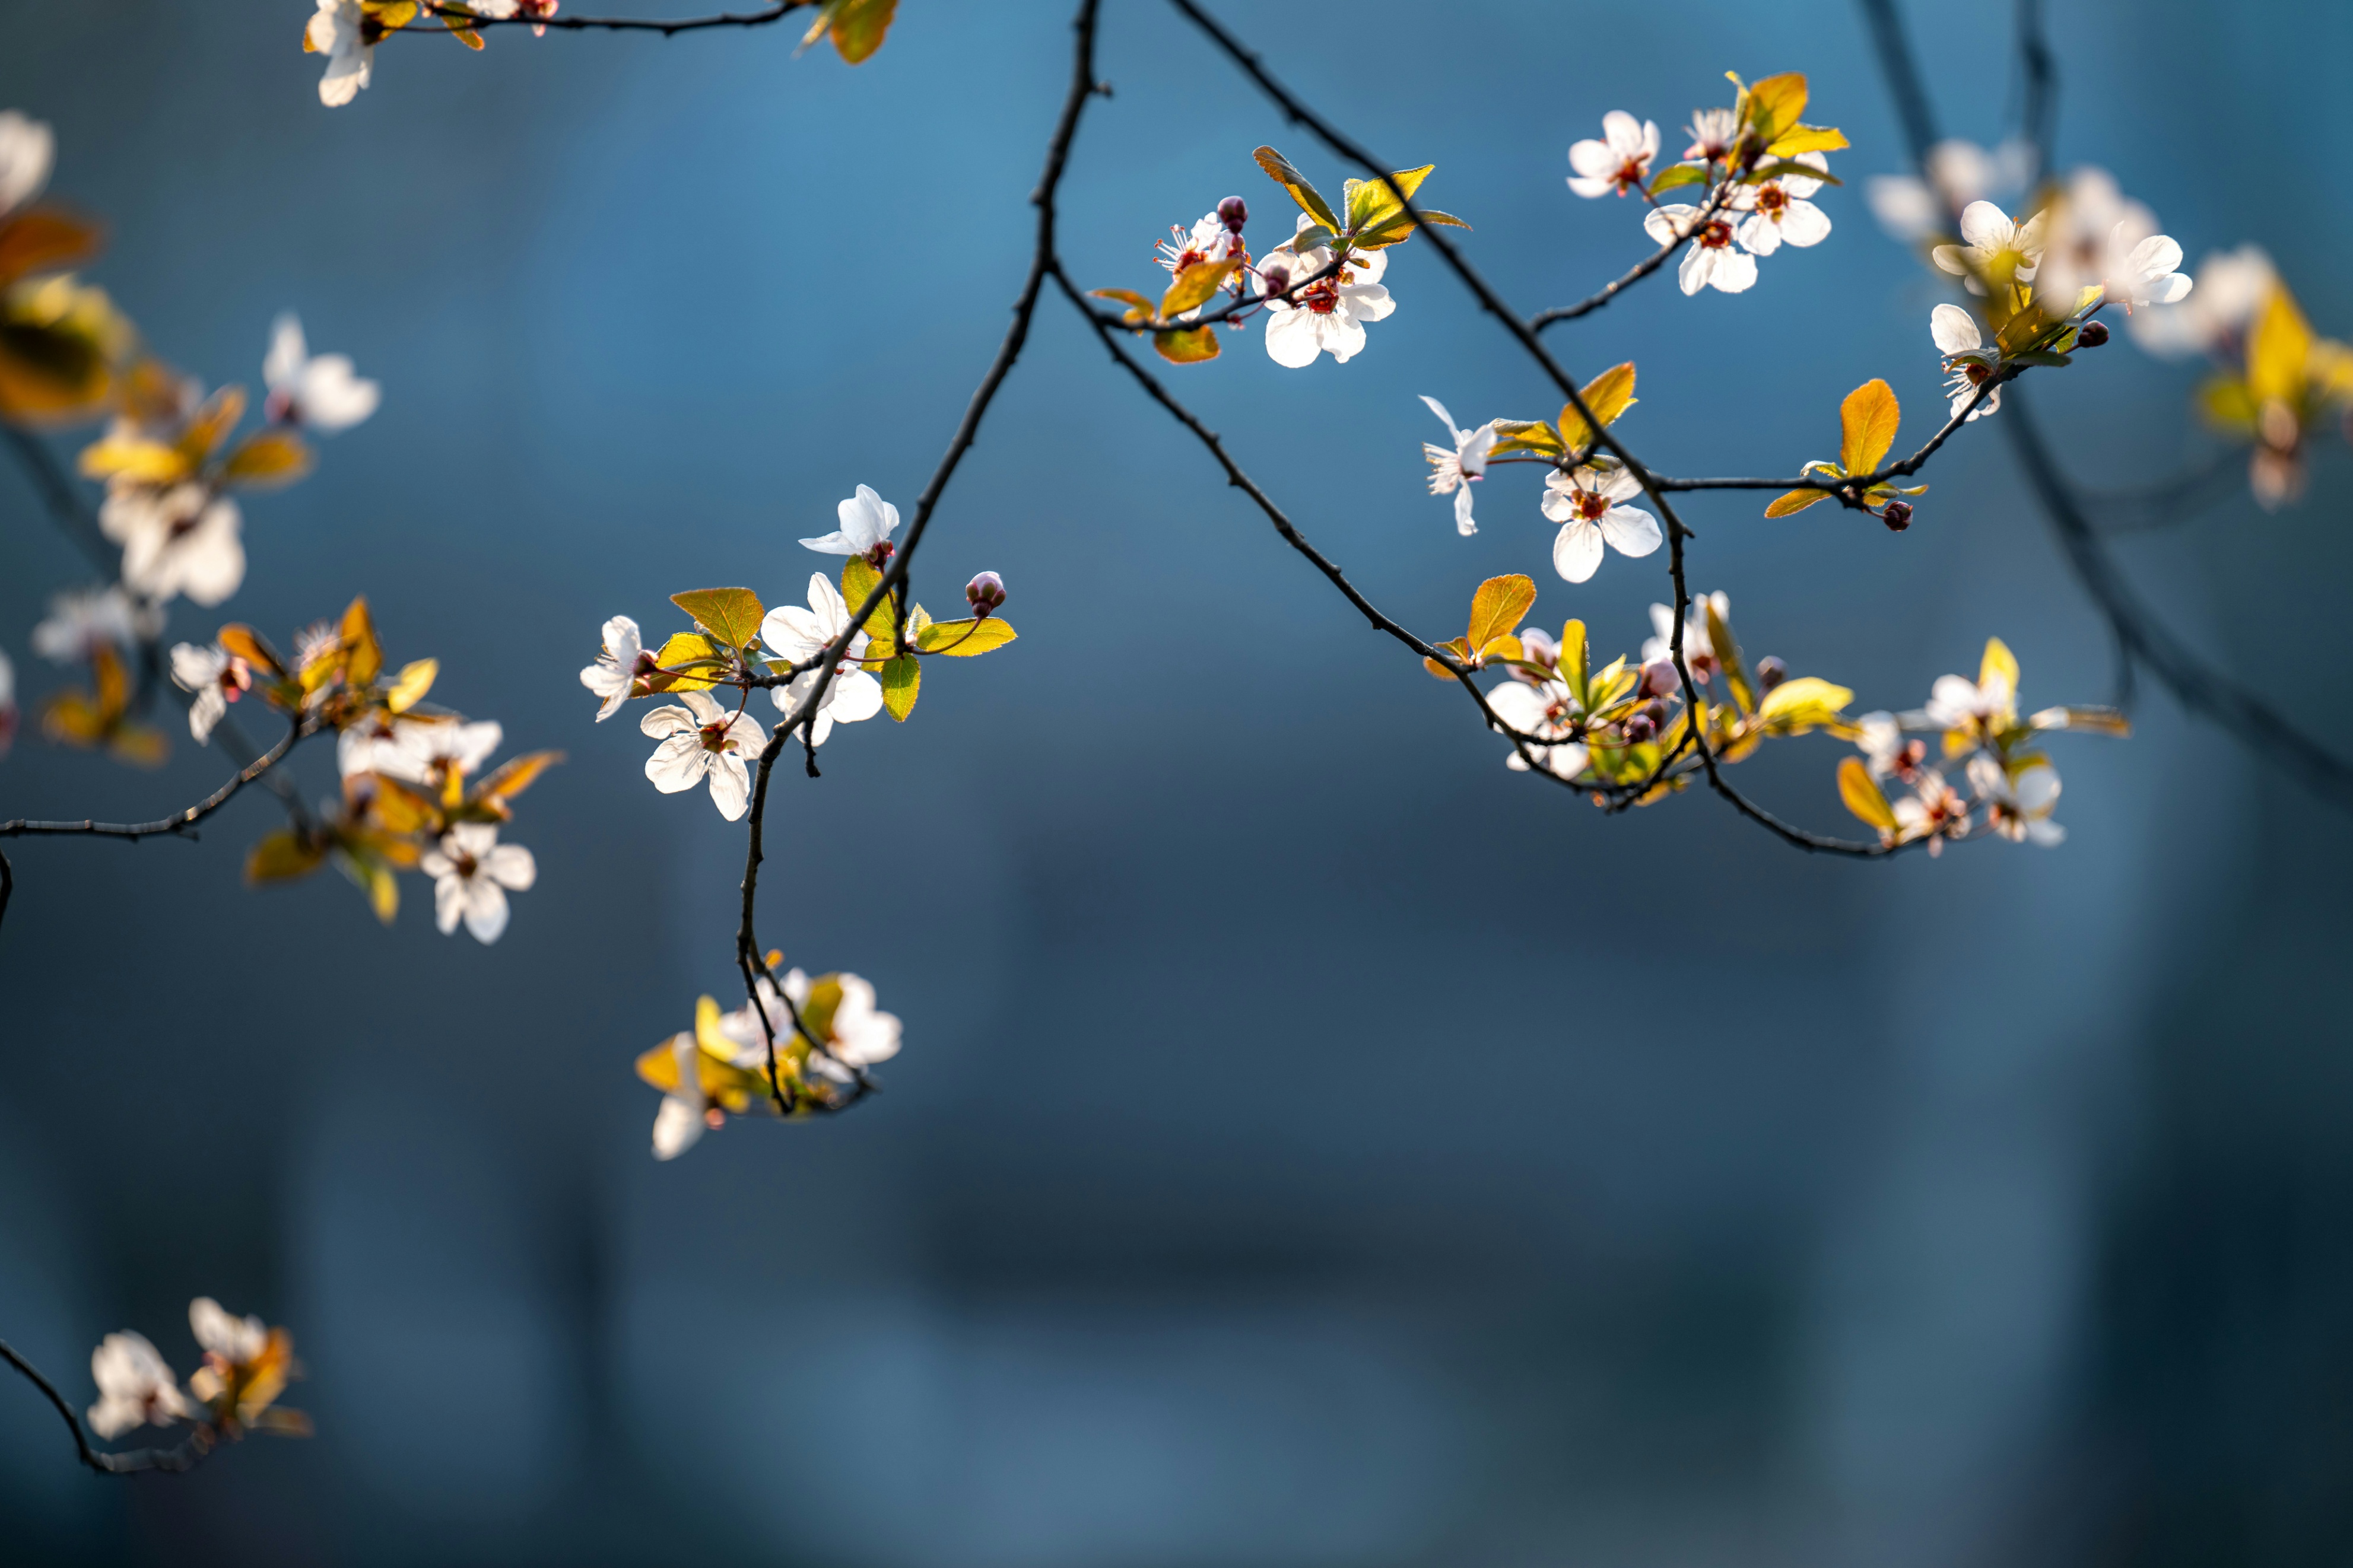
{"x":185,"y":1456}
{"x":180,"y":824}
{"x":775,"y":13}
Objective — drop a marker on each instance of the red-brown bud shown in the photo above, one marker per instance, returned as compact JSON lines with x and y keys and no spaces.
{"x":1896,"y":515}
{"x":985,"y":594}
{"x":1233,"y":212}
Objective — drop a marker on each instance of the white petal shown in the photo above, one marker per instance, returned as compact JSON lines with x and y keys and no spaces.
{"x":678,"y":763}
{"x":1692,"y":273}
{"x":676,"y":1125}
{"x":1630,"y":530}
{"x":731,"y":789}
{"x":281,"y":367}
{"x":510,"y":866}
{"x":1954,"y":330}
{"x":1734,"y":271}
{"x":1666,"y":225}
{"x":1463,"y":525}
{"x":1443,"y":417}
{"x":855,"y":695}
{"x":486,"y":911}
{"x":448,"y":902}
{"x":1760,"y":235}
{"x":1577,"y":552}
{"x":1985,"y":226}
{"x":1290,"y":337}
{"x":1803,"y":224}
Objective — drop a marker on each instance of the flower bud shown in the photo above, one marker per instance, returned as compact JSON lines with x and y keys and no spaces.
{"x":1639,"y":728}
{"x":2092,"y":334}
{"x":1273,"y":278}
{"x":1658,"y":677}
{"x":1896,"y":515}
{"x":1656,"y":711}
{"x":985,"y":594}
{"x":1771,"y":672}
{"x":1233,"y":212}
{"x":1540,"y":648}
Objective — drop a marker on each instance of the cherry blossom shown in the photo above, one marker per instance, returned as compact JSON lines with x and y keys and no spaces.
{"x":184,"y":539}
{"x":1959,"y":172}
{"x":867,"y":521}
{"x":795,"y":634}
{"x":861,"y":1034}
{"x":1619,"y":162}
{"x":2096,"y":235}
{"x":83,"y":621}
{"x":615,"y":674}
{"x":1992,"y":247}
{"x":472,"y":873}
{"x":28,"y":148}
{"x":1713,"y":261}
{"x":1971,"y":363}
{"x":2232,"y":287}
{"x":136,"y":1388}
{"x":345,"y":34}
{"x":1327,"y":316}
{"x":1779,"y":213}
{"x":219,"y":1333}
{"x":1713,"y":132}
{"x":2019,"y":808}
{"x":1543,"y":708}
{"x":320,"y":393}
{"x":1451,"y":471}
{"x":1699,"y":648}
{"x":506,"y":10}
{"x":1586,"y":503}
{"x":684,"y":1107}
{"x":703,"y":740}
{"x":216,"y":676}
{"x":434,"y":752}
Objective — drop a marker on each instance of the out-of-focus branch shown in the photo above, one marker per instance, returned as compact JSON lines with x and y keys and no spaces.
{"x":559,"y":23}
{"x":180,"y":825}
{"x":185,"y":1454}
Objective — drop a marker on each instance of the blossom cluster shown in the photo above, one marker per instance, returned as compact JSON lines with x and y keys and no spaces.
{"x":855,"y":651}
{"x":347,"y":32}
{"x":246,"y":1365}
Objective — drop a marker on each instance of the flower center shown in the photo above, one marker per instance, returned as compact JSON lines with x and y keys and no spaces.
{"x":714,"y":736}
{"x":1321,"y":297}
{"x":1591,"y":505}
{"x":1716,"y":235}
{"x":1772,"y":199}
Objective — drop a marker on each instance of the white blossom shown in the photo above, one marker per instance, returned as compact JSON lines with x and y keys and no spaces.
{"x":1712,"y":260}
{"x":679,"y":1121}
{"x":216,"y":676}
{"x":1619,"y":162}
{"x":1586,"y":503}
{"x":1328,"y":316}
{"x":83,"y":621}
{"x":2096,"y":235}
{"x":1959,"y":172}
{"x":1779,"y":213}
{"x":794,"y":634}
{"x":237,"y":1341}
{"x":2232,"y":288}
{"x":340,"y":31}
{"x":1540,"y":710}
{"x":430,"y":751}
{"x":867,"y":521}
{"x":1967,"y":357}
{"x":860,"y":1035}
{"x":1713,"y":132}
{"x":1452,"y":471}
{"x":615,"y":670}
{"x":703,"y":740}
{"x":136,"y":1388}
{"x":472,"y":873}
{"x":184,"y":540}
{"x":27,"y":150}
{"x":320,"y":393}
{"x":1699,"y":648}
{"x":1991,"y":244}
{"x":2018,"y":809}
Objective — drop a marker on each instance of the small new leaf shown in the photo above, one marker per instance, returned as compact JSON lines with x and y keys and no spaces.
{"x":902,"y":678}
{"x":731,"y":615}
{"x":966,"y":639}
{"x":1186,"y":345}
{"x":1608,"y":395}
{"x":1867,"y":423}
{"x":1311,"y":201}
{"x":1791,"y":502}
{"x":1861,"y":794}
{"x":1496,"y":609}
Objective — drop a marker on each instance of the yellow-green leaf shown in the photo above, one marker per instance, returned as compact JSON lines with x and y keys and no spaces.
{"x":731,"y":615}
{"x":1728,"y":657}
{"x":245,"y":642}
{"x":1139,"y":309}
{"x":1999,"y":669}
{"x":517,"y":774}
{"x":1608,"y":395}
{"x":902,"y":678}
{"x":1803,"y":702}
{"x":1371,"y":201}
{"x":362,"y":654}
{"x":275,"y":457}
{"x":1806,"y":139}
{"x":858,"y":26}
{"x":1526,"y":435}
{"x":966,"y":639}
{"x":408,"y":688}
{"x":682,"y":651}
{"x":2277,"y":350}
{"x":1186,"y":345}
{"x":1860,"y":792}
{"x":282,"y":856}
{"x":1574,"y":658}
{"x":1193,"y":287}
{"x":1789,"y":501}
{"x":1774,"y":103}
{"x":1675,"y":174}
{"x":1311,"y":201}
{"x":1867,"y":422}
{"x":1497,"y":606}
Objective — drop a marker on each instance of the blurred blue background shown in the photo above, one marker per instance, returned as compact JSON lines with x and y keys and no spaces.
{"x":1313,"y":1145}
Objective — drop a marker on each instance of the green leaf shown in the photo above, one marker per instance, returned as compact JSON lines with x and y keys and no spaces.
{"x":963,"y":639}
{"x":1806,"y":139}
{"x":1574,"y":658}
{"x":860,"y":578}
{"x":684,"y":650}
{"x":1315,"y":236}
{"x":902,"y":678}
{"x":1139,"y":308}
{"x":2042,"y":357}
{"x":1311,"y":201}
{"x":1186,"y":345}
{"x":1677,"y":174}
{"x":1784,"y":168}
{"x":1774,"y":103}
{"x":1526,"y":435}
{"x":1800,"y":704}
{"x":731,"y":615}
{"x":1727,"y":658}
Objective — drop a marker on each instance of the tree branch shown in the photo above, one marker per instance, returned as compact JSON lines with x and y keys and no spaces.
{"x":184,"y":1455}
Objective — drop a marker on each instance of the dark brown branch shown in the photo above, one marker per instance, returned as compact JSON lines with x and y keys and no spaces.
{"x":180,"y":825}
{"x":803,"y":715}
{"x":186,"y":1455}
{"x":560,"y":22}
{"x":1640,"y":271}
{"x":64,"y":503}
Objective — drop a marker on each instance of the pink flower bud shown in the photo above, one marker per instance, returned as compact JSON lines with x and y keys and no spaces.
{"x":1658,"y":677}
{"x":1540,"y":648}
{"x":1273,"y":278}
{"x":985,"y":594}
{"x":1771,"y":672}
{"x":1233,"y":212}
{"x":1896,"y":515}
{"x":2092,"y":335}
{"x":1640,"y":727}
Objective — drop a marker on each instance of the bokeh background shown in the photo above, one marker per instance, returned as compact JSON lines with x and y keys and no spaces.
{"x":1313,"y":1143}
